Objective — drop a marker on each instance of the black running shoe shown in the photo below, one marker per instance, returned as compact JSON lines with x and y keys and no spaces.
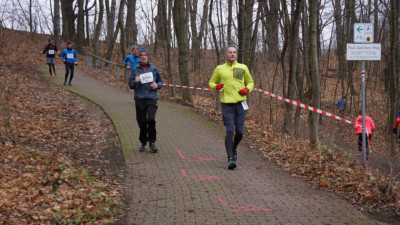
{"x":235,"y":154}
{"x":153,"y":148}
{"x":231,"y":164}
{"x":143,"y":147}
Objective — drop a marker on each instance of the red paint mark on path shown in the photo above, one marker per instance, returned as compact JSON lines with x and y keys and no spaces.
{"x":247,"y":208}
{"x":198,"y":177}
{"x":196,"y":158}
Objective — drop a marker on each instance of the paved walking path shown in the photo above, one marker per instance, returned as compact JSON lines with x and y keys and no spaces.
{"x":182,"y":184}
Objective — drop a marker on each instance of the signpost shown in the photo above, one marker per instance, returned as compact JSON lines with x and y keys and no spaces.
{"x":363,"y":50}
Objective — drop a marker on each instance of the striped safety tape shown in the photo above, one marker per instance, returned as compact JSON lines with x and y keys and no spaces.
{"x":279,"y":98}
{"x":195,"y":88}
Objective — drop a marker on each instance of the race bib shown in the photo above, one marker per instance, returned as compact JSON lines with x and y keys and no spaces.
{"x":146,"y":78}
{"x":51,"y":52}
{"x":70,"y":56}
{"x":245,"y":106}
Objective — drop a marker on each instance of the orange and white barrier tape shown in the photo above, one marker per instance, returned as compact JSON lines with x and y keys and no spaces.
{"x":304,"y":106}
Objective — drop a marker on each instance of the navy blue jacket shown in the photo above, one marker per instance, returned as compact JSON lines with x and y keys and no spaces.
{"x":50,"y":47}
{"x":144,"y":91}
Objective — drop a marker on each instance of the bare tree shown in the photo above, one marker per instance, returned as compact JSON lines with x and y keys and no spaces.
{"x":131,"y":26}
{"x":271,"y":22}
{"x":214,"y":36}
{"x":80,"y":35}
{"x":87,"y":17}
{"x":293,"y":60}
{"x":393,"y":74}
{"x":180,"y":26}
{"x":314,"y":70}
{"x":110,"y":20}
{"x":230,"y":8}
{"x":68,"y":20}
{"x":97,"y":29}
{"x":56,"y":23}
{"x":122,"y":29}
{"x":197,"y":36}
{"x":113,"y":38}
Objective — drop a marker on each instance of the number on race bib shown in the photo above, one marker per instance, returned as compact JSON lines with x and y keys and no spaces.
{"x":245,"y":106}
{"x":51,"y":52}
{"x":70,"y":56}
{"x":146,"y":78}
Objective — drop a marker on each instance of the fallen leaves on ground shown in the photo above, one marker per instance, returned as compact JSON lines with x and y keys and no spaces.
{"x":53,"y":164}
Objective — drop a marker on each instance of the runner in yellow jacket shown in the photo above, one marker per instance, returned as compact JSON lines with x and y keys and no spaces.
{"x":235,"y":83}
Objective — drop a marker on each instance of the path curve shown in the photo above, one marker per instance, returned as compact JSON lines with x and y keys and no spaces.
{"x":187,"y":181}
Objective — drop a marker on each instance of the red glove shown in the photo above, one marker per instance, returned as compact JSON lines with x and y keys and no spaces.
{"x":244,"y":91}
{"x":219,"y":86}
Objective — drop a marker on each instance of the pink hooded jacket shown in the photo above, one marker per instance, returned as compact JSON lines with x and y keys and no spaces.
{"x":369,"y":124}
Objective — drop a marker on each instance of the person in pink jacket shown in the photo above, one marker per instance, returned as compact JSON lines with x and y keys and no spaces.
{"x":370,"y":127}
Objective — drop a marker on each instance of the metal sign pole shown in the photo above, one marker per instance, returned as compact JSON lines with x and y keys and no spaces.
{"x":364,"y":139}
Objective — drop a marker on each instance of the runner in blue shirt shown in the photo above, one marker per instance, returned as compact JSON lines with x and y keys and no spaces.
{"x":133,"y":59}
{"x":341,"y":104}
{"x":70,"y":58}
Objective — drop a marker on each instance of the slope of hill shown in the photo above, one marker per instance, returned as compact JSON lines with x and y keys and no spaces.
{"x":57,"y":150}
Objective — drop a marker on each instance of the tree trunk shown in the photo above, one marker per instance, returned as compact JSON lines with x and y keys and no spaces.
{"x":245,"y":20}
{"x":30,"y":19}
{"x":193,"y":25}
{"x":68,"y":20}
{"x":167,"y":24}
{"x":98,"y":28}
{"x":180,"y":26}
{"x":314,"y":70}
{"x":122,"y":29}
{"x":272,"y":25}
{"x":230,"y":41}
{"x":253,"y":40}
{"x":160,"y":29}
{"x":197,"y":36}
{"x":113,"y":38}
{"x":80,"y":35}
{"x":56,"y":23}
{"x":294,"y":45}
{"x":87,"y":22}
{"x":340,"y":44}
{"x":216,"y":47}
{"x":300,"y":95}
{"x":350,"y":19}
{"x":131,"y":27}
{"x":110,"y":20}
{"x":393,"y":75}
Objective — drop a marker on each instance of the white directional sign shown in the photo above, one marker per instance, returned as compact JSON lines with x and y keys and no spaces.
{"x":363,"y":33}
{"x":368,"y":52}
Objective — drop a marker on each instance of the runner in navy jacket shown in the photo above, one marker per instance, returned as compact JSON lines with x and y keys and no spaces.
{"x":146,"y":80}
{"x":51,"y":50}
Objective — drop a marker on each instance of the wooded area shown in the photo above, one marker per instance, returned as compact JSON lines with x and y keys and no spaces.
{"x":293,"y":48}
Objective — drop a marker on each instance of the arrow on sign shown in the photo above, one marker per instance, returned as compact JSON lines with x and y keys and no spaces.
{"x":248,"y":208}
{"x":359,"y":29}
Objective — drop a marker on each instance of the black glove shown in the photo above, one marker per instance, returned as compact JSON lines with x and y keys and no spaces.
{"x":395,"y":130}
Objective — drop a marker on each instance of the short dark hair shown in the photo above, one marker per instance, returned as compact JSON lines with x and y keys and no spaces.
{"x":230,"y":46}
{"x":359,"y":112}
